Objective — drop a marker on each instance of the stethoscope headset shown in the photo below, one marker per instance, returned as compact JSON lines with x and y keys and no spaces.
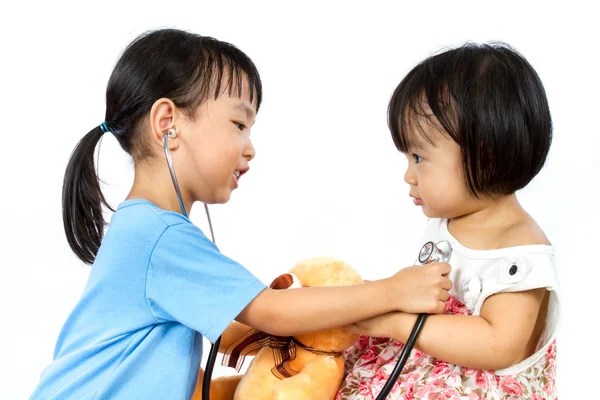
{"x":430,"y":253}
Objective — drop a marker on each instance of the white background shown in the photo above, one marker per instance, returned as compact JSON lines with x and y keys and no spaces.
{"x":327,"y":179}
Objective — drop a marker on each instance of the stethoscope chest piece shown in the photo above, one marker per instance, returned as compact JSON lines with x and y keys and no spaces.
{"x":435,"y":252}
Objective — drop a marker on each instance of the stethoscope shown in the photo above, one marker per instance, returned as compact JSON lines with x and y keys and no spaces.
{"x":430,"y":252}
{"x":214,"y":348}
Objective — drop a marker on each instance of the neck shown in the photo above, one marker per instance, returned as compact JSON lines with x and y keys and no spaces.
{"x":154,"y":184}
{"x":498,"y":211}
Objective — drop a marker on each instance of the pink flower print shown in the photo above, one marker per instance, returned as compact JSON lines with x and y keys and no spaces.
{"x":482,"y":380}
{"x":375,"y":341}
{"x":549,"y":388}
{"x":409,"y":392}
{"x":511,"y":386}
{"x":472,"y":396}
{"x":364,"y":388}
{"x":431,"y":390}
{"x":390,"y":353}
{"x":418,"y":357}
{"x":413,"y":378}
{"x":454,"y":306}
{"x":449,"y":394}
{"x":378,"y":381}
{"x":438,"y":383}
{"x":551,"y":352}
{"x":537,"y":397}
{"x":453,"y":380}
{"x":362,"y":342}
{"x":418,"y":353}
{"x":380,"y":375}
{"x":440,"y":368}
{"x":423,"y":392}
{"x":369,"y":355}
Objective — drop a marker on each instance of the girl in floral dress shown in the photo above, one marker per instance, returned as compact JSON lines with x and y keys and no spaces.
{"x":475,"y":125}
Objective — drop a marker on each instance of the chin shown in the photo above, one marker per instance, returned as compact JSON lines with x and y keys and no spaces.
{"x":222,"y":198}
{"x":216,"y":198}
{"x":439,"y":214}
{"x":428,"y":213}
{"x":432,"y":214}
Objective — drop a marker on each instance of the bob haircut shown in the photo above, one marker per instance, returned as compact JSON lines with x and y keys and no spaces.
{"x":490,"y":101}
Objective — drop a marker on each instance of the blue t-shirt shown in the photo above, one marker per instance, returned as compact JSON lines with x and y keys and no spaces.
{"x":157,"y":285}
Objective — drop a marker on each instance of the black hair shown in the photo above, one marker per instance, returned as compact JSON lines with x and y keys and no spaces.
{"x":490,"y":101}
{"x":167,"y":63}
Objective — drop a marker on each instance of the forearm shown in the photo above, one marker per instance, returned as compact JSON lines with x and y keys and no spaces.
{"x":298,"y":311}
{"x":463,"y":340}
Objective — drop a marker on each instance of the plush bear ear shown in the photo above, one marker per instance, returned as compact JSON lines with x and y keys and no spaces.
{"x":286,"y":281}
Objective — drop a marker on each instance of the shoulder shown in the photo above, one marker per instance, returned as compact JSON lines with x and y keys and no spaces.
{"x":185,"y":237}
{"x":523,"y":232}
{"x":142,"y":214}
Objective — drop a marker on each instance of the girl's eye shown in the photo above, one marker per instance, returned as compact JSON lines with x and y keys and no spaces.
{"x":240,"y":126}
{"x":418,"y":158}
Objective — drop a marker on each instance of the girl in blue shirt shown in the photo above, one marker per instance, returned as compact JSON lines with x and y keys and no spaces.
{"x":157,"y":283}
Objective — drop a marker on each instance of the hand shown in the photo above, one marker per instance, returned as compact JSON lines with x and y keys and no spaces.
{"x":421,"y":289}
{"x":384,"y":326}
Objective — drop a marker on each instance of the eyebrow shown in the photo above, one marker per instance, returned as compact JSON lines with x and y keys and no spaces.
{"x":246,"y":107}
{"x":415,"y":148}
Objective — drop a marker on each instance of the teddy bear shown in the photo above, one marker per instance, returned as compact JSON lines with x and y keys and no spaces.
{"x":308,"y":366}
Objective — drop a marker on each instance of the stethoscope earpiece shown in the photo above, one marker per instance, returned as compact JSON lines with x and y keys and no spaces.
{"x":172,"y":133}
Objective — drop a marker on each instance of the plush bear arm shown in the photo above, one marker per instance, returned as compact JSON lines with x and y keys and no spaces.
{"x":233,"y":332}
{"x":318,"y":380}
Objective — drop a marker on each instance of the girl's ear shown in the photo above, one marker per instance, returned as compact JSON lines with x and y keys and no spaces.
{"x":163,"y":116}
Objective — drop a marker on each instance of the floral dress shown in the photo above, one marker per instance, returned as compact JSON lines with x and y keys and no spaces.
{"x":370,"y":361}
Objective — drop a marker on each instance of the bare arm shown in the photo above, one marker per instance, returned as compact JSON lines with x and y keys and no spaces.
{"x":298,"y":311}
{"x":498,"y":338}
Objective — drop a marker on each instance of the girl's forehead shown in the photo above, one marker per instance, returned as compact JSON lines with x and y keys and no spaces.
{"x":237,"y":90}
{"x":421,"y":131}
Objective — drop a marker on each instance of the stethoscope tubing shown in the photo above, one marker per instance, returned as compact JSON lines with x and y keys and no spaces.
{"x":214,"y":348}
{"x":429,"y":253}
{"x":410,"y":344}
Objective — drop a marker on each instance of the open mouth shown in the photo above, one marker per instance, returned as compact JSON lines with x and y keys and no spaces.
{"x":238,"y":174}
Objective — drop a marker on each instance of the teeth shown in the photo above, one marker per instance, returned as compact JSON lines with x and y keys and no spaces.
{"x":237,"y":174}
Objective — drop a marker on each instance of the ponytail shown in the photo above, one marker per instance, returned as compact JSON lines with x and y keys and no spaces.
{"x":166,"y":63}
{"x":82,"y":199}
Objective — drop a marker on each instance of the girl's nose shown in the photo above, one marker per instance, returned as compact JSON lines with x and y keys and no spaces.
{"x":249,"y":151}
{"x":410,"y":177}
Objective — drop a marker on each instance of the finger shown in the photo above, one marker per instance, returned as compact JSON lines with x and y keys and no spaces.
{"x":440,"y":307}
{"x":444,"y":295}
{"x":446,"y":283}
{"x":444,"y":268}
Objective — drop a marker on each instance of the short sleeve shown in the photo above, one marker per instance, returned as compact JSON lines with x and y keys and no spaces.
{"x":189,"y":281}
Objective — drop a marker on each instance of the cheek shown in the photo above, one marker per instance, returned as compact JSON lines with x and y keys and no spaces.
{"x":231,"y":144}
{"x":442,"y":186}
